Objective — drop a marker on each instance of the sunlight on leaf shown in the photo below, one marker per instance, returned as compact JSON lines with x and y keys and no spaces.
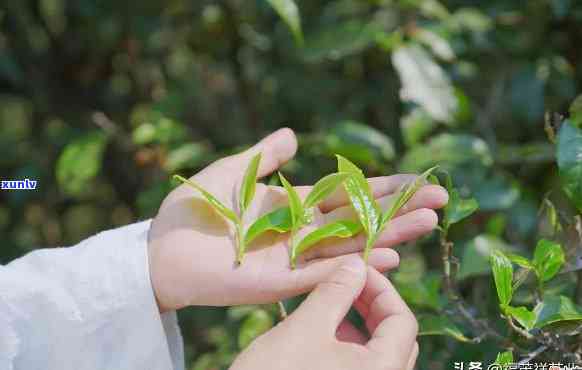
{"x":215,"y":203}
{"x":503,"y":276}
{"x":425,"y":83}
{"x":289,"y":12}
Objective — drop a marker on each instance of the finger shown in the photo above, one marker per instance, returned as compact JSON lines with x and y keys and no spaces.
{"x":330,"y":301}
{"x":277,"y":282}
{"x":392,"y":325}
{"x":413,"y":357}
{"x":400,"y":230}
{"x":380,"y":186}
{"x":347,"y":332}
{"x":276,"y":149}
{"x":429,"y":196}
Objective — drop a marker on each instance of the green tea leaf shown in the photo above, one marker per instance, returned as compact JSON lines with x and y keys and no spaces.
{"x":337,"y":229}
{"x":323,"y":188}
{"x":278,"y":220}
{"x":504,"y":358}
{"x":440,"y":325}
{"x":503,"y":276}
{"x":405,"y":195}
{"x":520,"y":261}
{"x":457,"y":209}
{"x":569,"y":155}
{"x":295,"y":205}
{"x":522,"y":315}
{"x":360,"y":196}
{"x":215,"y":203}
{"x":289,"y":13}
{"x":249,"y":184}
{"x":257,"y":323}
{"x":548,"y":259}
{"x":555,"y":309}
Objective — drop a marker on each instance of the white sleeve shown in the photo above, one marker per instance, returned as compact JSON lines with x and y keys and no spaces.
{"x":88,"y":307}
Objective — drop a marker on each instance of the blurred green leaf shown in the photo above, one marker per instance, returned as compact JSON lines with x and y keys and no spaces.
{"x":520,"y":261}
{"x":158,"y":129}
{"x":340,"y":40}
{"x":497,"y":192}
{"x":425,"y":83}
{"x":440,"y":325}
{"x":80,"y":162}
{"x":522,"y":315}
{"x":416,"y":126}
{"x":185,"y":156}
{"x":447,"y":151}
{"x":576,"y":112}
{"x":421,"y":293}
{"x":476,"y":255}
{"x":472,"y":19}
{"x":554,"y":309}
{"x":324,"y":188}
{"x":337,"y":229}
{"x":504,"y":358}
{"x":569,"y":149}
{"x":457,"y":209}
{"x":289,"y":13}
{"x":278,"y":220}
{"x":548,"y":259}
{"x":359,"y":143}
{"x":503,"y":276}
{"x":249,"y":183}
{"x":436,"y":43}
{"x":256,"y":324}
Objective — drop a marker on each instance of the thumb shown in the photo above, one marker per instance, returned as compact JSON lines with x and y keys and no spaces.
{"x":276,"y":148}
{"x":330,"y":301}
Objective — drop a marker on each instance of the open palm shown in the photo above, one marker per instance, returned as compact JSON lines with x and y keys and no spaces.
{"x":193,"y":249}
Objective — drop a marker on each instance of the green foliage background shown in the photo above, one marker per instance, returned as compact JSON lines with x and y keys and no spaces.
{"x":102,"y":101}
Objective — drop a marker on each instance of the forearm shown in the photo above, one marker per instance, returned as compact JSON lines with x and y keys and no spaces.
{"x":90,"y":306}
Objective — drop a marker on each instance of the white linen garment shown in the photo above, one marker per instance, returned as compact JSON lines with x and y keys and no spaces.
{"x":87,"y":307}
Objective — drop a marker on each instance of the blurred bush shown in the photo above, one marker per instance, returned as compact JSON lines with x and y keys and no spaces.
{"x":102,"y":100}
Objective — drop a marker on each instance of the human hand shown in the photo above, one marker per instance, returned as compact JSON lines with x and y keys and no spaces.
{"x":192,"y":250}
{"x":317,"y":336}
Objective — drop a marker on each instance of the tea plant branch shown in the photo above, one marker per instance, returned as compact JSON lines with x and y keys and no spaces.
{"x":532,"y":355}
{"x":246,"y":195}
{"x":517,"y":329}
{"x":459,"y":305}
